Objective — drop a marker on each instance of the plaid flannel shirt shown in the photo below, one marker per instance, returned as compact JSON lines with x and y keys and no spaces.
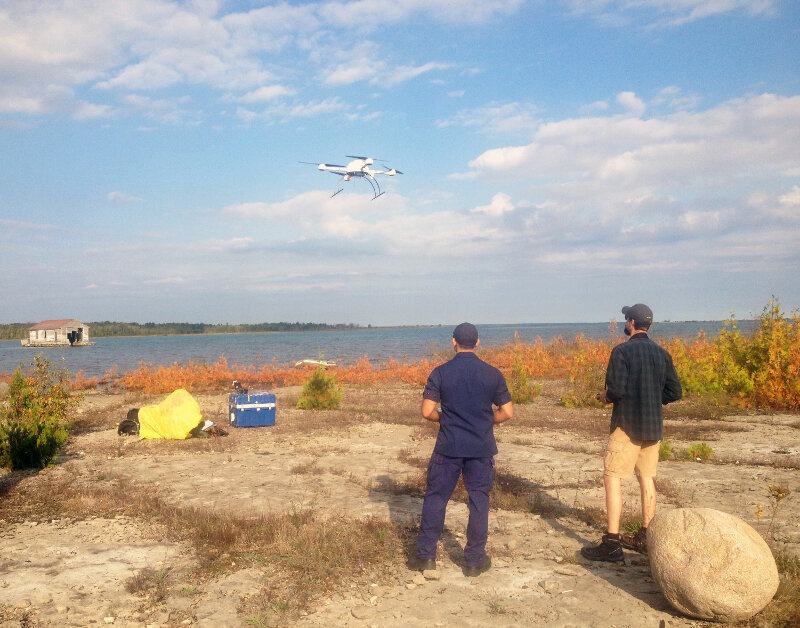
{"x":640,"y":379}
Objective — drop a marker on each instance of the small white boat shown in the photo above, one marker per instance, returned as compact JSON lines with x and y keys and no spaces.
{"x":309,"y":362}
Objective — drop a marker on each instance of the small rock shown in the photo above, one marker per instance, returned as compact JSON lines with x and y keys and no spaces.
{"x":360,"y":612}
{"x":108,"y":620}
{"x":419,"y":579}
{"x":512,"y":544}
{"x":431,"y":574}
{"x":374,"y":600}
{"x":550,"y":585}
{"x":61,"y":609}
{"x":411,"y":586}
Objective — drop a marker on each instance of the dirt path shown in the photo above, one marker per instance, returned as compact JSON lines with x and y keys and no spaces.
{"x":63,"y":571}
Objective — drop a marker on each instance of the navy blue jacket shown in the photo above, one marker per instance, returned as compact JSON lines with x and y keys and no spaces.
{"x":466,"y":387}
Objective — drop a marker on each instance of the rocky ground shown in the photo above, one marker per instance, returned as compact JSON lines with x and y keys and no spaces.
{"x":81,"y":566}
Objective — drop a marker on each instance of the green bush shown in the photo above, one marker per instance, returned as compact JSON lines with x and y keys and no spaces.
{"x":519,"y":384}
{"x":320,"y":392}
{"x":665,"y":450}
{"x":699,"y":451}
{"x":586,"y":383}
{"x":759,"y":369}
{"x":33,"y":424}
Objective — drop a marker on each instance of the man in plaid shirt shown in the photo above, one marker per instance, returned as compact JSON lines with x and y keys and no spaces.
{"x":640,"y":379}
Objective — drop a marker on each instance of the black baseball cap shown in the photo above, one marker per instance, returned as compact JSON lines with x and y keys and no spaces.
{"x":466,"y":335}
{"x":638,"y":313}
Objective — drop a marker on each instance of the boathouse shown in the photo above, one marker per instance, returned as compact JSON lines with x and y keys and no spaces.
{"x":58,"y":333}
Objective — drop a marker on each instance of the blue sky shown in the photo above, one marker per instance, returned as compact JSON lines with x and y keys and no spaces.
{"x":559,"y":159}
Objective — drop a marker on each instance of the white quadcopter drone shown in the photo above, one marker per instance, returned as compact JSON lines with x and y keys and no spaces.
{"x":359,"y":167}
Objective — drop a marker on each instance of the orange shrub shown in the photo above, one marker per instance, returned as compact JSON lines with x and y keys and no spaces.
{"x":761,"y":370}
{"x":81,"y":382}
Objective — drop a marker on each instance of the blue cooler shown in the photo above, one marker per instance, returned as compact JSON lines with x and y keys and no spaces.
{"x":253,"y":410}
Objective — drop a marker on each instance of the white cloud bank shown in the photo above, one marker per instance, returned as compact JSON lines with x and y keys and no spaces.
{"x":598,"y":192}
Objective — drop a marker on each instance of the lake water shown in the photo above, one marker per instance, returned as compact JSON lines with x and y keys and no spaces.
{"x":345,"y":347}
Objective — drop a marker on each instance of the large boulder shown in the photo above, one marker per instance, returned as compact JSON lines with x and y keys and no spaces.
{"x":711,"y":565}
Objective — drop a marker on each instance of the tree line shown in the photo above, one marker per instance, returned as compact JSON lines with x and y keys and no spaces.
{"x":105,"y":329}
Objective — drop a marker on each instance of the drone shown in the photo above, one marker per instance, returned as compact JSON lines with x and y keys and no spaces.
{"x":359,"y":167}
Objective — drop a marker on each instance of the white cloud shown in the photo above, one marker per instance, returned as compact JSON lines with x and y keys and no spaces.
{"x":122,"y":198}
{"x":90,"y":111}
{"x":742,"y":136}
{"x":496,"y":118}
{"x":499,"y":205}
{"x":266,"y":93}
{"x":401,"y":74}
{"x":20,"y":225}
{"x":634,"y":105}
{"x":372,"y":13}
{"x":667,"y":13}
{"x":791,"y":198}
{"x":49,"y":50}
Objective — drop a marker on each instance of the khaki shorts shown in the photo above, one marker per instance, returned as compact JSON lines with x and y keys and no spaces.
{"x":624,"y":455}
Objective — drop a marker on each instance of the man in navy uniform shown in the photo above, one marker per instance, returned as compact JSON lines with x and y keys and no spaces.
{"x":640,"y":379}
{"x":459,"y":396}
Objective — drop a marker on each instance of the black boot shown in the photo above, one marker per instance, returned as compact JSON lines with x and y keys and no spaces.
{"x":608,"y":550}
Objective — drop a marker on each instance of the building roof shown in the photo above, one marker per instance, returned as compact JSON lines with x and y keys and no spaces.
{"x":57,"y":324}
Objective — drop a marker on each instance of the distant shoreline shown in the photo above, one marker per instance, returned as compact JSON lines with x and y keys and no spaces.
{"x":18,"y":331}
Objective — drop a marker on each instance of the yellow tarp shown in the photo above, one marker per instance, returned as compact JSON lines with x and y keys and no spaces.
{"x":173,"y":418}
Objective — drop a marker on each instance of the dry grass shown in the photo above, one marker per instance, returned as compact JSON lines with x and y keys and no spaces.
{"x":149,"y":583}
{"x":784,"y":609}
{"x":309,"y":555}
{"x":776,"y":461}
{"x":669,"y":489}
{"x":688,"y":430}
{"x":709,"y":407}
{"x":309,"y":467}
{"x":410,"y":457}
{"x":511,"y":492}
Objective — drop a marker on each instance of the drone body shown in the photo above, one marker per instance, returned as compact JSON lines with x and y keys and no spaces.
{"x":358,"y":167}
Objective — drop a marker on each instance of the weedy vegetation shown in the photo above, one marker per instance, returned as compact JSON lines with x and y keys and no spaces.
{"x":698,"y":451}
{"x":320,"y":392}
{"x":35,"y":419}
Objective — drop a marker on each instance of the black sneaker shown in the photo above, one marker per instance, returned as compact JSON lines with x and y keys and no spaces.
{"x":636,"y":542}
{"x":423,"y":564}
{"x":608,"y":550}
{"x":476,"y":570}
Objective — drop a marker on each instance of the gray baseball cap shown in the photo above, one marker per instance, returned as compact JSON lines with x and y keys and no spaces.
{"x":638,"y":313}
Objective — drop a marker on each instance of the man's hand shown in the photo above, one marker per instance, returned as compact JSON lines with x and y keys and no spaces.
{"x":602,"y":397}
{"x":429,"y":411}
{"x":504,"y":412}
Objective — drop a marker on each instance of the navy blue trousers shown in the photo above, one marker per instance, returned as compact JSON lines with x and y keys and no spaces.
{"x":443,"y":473}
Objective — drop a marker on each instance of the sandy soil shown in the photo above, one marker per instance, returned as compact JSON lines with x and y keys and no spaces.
{"x":73,"y":572}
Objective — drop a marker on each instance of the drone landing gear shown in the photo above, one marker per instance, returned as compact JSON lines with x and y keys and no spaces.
{"x":376,"y":188}
{"x":336,"y":192}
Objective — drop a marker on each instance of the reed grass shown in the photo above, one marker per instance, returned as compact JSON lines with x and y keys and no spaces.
{"x":760,"y":370}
